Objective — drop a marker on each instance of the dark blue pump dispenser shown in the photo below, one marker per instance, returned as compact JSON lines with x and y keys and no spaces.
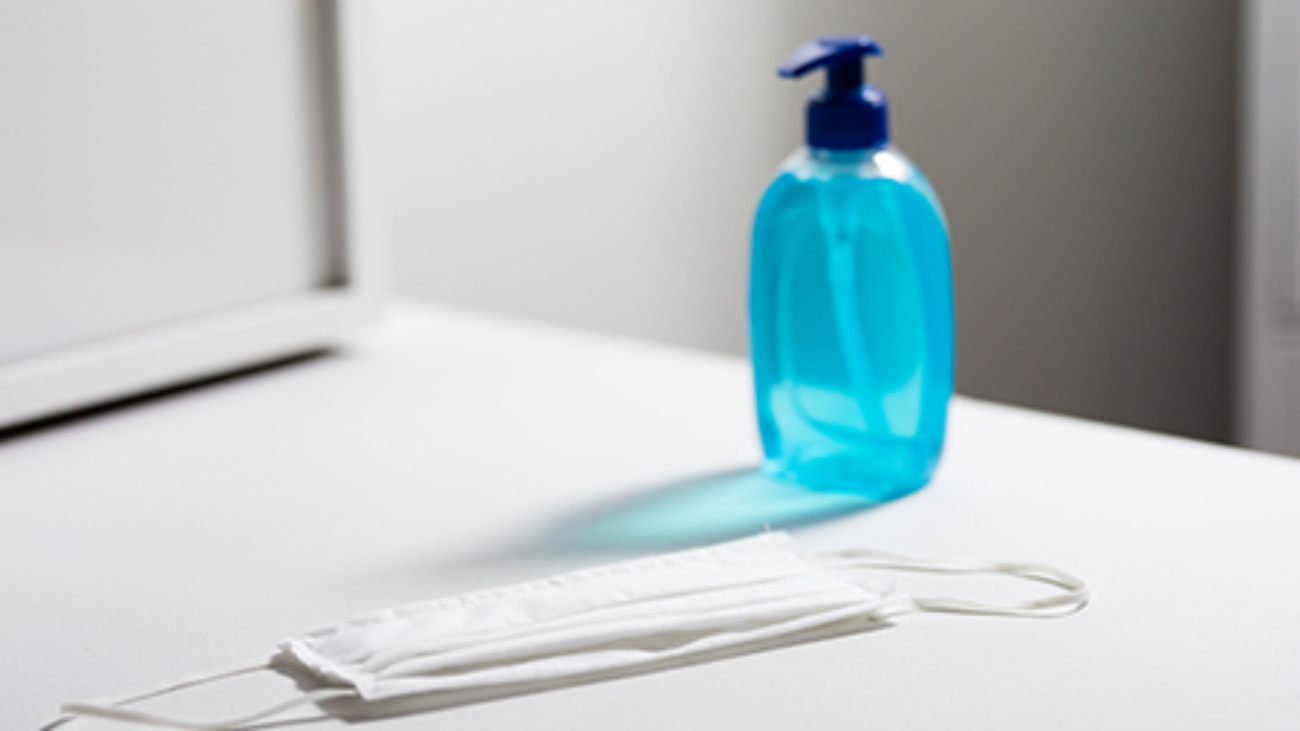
{"x":849,"y":114}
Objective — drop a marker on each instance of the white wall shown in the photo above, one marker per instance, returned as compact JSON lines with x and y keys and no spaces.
{"x":584,"y":162}
{"x":597,"y":164}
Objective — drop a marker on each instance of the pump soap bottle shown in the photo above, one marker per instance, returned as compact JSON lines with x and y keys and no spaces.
{"x":851,"y":317}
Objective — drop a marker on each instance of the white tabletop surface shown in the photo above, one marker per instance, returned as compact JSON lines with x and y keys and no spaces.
{"x":443,"y":451}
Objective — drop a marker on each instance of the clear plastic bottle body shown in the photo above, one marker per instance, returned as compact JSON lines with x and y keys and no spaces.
{"x":851,"y":323}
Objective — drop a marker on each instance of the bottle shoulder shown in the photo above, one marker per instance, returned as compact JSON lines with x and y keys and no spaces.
{"x":806,"y":170}
{"x":886,"y":162}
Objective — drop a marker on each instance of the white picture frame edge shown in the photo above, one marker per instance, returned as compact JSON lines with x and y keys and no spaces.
{"x":136,"y":364}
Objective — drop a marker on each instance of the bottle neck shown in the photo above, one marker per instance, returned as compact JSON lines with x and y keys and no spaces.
{"x":845,"y":157}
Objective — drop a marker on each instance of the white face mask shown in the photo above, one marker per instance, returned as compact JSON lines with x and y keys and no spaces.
{"x":617,"y":618}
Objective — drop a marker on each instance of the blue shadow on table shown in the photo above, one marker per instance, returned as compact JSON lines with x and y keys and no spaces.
{"x":701,"y":509}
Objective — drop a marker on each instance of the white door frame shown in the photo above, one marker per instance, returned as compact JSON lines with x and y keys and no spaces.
{"x":1268,"y":358}
{"x":119,"y":367}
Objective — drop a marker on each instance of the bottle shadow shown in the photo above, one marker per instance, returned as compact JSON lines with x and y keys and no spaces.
{"x":698,"y":510}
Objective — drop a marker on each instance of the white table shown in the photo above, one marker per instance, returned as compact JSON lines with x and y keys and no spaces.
{"x":444,"y":451}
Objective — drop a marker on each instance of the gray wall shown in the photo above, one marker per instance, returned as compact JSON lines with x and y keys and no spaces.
{"x":597,"y":164}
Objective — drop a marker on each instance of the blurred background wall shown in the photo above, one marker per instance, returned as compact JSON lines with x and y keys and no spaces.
{"x":597,"y":164}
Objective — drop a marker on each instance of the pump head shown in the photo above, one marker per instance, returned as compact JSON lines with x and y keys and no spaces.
{"x":848,"y":114}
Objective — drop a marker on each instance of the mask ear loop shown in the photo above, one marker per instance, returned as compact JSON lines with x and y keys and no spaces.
{"x":1073,"y":598}
{"x":117,"y":711}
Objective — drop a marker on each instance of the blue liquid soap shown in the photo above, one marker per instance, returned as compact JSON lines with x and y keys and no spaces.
{"x":851,"y":299}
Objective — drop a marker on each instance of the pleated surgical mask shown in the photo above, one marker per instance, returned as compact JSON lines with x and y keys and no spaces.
{"x":616,"y":618}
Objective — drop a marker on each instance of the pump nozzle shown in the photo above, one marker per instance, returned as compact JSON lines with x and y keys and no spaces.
{"x":849,"y":114}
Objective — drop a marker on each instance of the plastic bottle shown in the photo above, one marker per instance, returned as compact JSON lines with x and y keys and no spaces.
{"x":850,"y":297}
